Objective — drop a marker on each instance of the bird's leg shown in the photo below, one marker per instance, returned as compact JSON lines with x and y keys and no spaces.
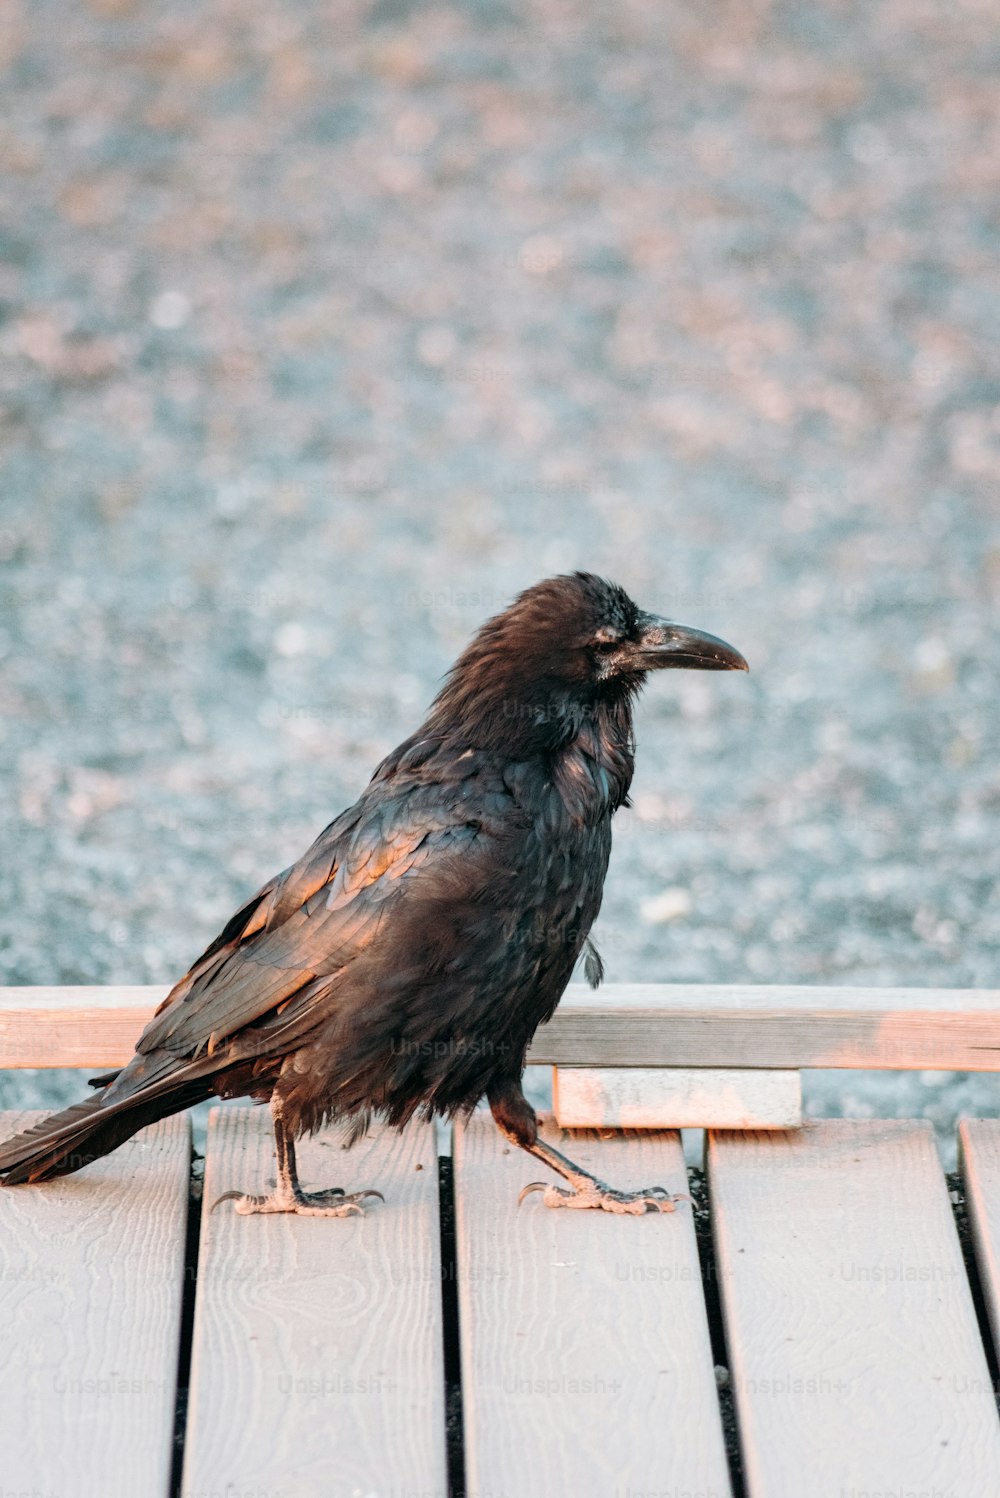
{"x":288,"y":1195}
{"x":589,"y":1191}
{"x":515,"y":1118}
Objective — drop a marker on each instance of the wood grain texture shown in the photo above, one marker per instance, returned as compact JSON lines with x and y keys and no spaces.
{"x":318,"y":1355}
{"x":774,"y":1027}
{"x":91,"y":1283}
{"x":78,"y":1026}
{"x":706,"y":1025}
{"x":645,"y":1097}
{"x":586,"y":1362}
{"x":854,"y":1351}
{"x":979,"y":1157}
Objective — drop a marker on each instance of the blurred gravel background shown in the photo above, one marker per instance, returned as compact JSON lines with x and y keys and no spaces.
{"x":328,"y":327}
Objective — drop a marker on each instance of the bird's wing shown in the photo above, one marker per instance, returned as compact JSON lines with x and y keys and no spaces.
{"x":314,"y":919}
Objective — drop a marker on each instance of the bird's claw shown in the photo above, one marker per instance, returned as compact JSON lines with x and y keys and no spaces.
{"x":331,"y":1203}
{"x":594,"y":1194}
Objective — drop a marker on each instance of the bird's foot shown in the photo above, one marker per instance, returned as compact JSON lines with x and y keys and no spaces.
{"x":589,"y":1192}
{"x":332,"y":1203}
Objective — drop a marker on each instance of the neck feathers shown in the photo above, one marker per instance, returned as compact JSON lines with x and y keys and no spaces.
{"x":588,"y":747}
{"x":593,"y":770}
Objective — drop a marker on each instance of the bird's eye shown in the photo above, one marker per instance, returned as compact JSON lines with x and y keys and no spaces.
{"x":605,"y":647}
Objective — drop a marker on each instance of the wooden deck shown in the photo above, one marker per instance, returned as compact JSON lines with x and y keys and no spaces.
{"x":813,"y":1326}
{"x":298,"y":1356}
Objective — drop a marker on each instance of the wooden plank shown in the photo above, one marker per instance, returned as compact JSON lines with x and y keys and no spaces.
{"x":586,"y":1363}
{"x":644,"y":1097}
{"x":79,"y":1026}
{"x":318,"y":1351}
{"x":854,"y":1351}
{"x":979,"y":1157}
{"x":773,"y":1027}
{"x":91,"y":1283}
{"x":687,"y":1025}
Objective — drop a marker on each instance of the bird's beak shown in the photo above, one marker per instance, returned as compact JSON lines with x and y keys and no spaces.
{"x":663,"y":644}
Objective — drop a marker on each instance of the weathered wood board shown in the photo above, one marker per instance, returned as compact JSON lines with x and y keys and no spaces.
{"x":318,"y":1351}
{"x":772,"y":1026}
{"x":91,"y":1285}
{"x":855,"y":1355}
{"x":586,"y":1362}
{"x":979,"y":1155}
{"x":624,"y":1025}
{"x":702,"y":1097}
{"x":83,"y":1025}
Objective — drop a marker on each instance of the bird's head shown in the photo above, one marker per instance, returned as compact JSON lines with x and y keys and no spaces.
{"x":564,"y":648}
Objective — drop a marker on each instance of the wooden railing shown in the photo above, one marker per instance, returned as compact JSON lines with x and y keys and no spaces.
{"x":621,"y":1025}
{"x":636,"y":1055}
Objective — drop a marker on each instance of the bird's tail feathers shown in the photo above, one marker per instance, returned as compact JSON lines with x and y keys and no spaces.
{"x":66,"y":1141}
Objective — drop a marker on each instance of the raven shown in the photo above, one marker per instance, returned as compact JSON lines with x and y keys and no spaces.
{"x":405,"y":961}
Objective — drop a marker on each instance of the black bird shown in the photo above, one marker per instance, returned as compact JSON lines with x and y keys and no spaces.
{"x":406,"y":960}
